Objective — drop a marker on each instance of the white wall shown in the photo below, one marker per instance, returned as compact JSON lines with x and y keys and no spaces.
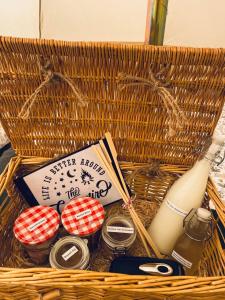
{"x":197,"y":23}
{"x":88,"y":20}
{"x":94,"y":20}
{"x":19,"y":18}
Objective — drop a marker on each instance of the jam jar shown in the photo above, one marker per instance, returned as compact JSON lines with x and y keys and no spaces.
{"x":36,"y":229}
{"x":84,"y":217}
{"x":70,"y":252}
{"x":118,"y":235}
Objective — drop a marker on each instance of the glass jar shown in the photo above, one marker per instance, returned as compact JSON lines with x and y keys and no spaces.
{"x":70,"y":252}
{"x":39,"y":253}
{"x":84,"y":217}
{"x":36,"y":229}
{"x":189,"y":247}
{"x":118,"y":235}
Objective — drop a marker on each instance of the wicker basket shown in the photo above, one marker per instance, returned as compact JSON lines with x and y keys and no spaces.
{"x":138,"y":122}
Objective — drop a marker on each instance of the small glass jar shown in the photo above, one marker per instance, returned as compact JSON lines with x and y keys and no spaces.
{"x":70,"y":252}
{"x":36,"y":229}
{"x":118,"y":235}
{"x":84,"y":217}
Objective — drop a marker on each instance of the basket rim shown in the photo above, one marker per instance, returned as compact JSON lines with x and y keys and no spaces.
{"x":109,"y":44}
{"x":167,"y":285}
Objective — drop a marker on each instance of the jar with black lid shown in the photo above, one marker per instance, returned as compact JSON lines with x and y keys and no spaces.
{"x":118,"y":235}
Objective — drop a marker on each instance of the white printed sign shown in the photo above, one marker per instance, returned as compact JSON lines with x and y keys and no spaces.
{"x":79,"y":174}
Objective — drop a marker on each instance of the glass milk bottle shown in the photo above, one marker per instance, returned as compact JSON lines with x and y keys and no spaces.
{"x":186,"y":193}
{"x":189,"y":247}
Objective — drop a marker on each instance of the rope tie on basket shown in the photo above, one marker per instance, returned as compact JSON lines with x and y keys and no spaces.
{"x":176,"y":116}
{"x":49,"y":77}
{"x":151,"y":168}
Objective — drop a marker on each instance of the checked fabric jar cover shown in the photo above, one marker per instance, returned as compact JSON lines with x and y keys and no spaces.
{"x":83,"y":216}
{"x":36,"y":225}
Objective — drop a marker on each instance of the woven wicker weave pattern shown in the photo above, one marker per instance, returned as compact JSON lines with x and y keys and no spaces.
{"x":138,"y":122}
{"x":135,"y":116}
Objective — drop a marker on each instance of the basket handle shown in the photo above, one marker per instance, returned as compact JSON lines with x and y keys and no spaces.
{"x":49,"y":295}
{"x":9,"y":172}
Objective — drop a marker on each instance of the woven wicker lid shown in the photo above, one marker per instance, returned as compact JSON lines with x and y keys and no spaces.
{"x":135,"y":115}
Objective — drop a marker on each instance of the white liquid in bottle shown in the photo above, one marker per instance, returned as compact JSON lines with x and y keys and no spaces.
{"x":186,"y":193}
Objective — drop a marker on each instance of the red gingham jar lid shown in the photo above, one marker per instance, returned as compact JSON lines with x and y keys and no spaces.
{"x":83,"y":216}
{"x":36,"y":225}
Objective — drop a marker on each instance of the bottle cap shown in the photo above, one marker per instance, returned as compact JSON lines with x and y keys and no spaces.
{"x":203,"y":213}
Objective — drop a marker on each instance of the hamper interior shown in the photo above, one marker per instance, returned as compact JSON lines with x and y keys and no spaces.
{"x":149,"y":186}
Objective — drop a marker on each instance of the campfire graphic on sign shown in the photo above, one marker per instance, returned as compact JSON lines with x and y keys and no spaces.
{"x":86,"y":177}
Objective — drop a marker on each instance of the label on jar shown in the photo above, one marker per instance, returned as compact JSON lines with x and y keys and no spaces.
{"x":33,"y":226}
{"x":82,"y":214}
{"x":176,"y":209}
{"x":120,"y":229}
{"x":66,"y":255}
{"x":186,"y":263}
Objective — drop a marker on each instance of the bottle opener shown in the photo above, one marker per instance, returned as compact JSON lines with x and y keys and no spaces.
{"x":157,"y":269}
